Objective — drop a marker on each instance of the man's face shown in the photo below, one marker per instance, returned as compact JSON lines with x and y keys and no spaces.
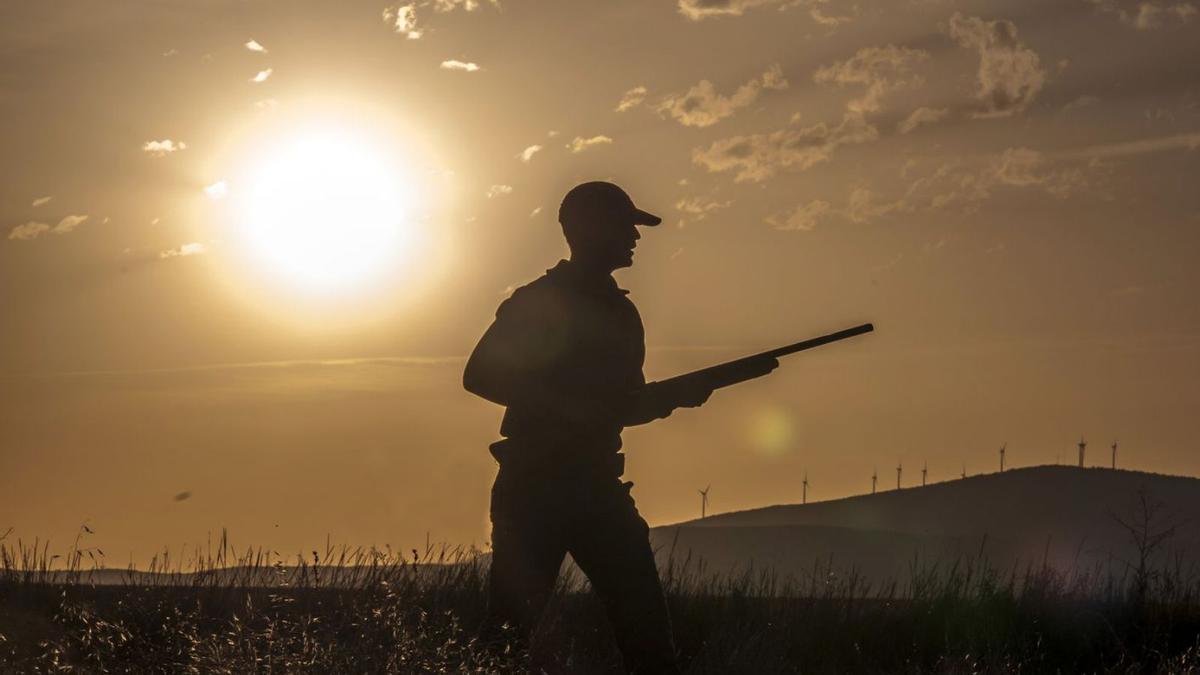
{"x":609,"y":245}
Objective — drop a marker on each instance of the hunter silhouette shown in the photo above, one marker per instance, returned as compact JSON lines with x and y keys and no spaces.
{"x":565,"y":356}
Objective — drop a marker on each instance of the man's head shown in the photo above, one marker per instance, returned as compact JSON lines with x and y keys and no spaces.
{"x":600,"y":223}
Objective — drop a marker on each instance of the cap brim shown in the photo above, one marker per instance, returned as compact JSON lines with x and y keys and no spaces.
{"x":641,"y":217}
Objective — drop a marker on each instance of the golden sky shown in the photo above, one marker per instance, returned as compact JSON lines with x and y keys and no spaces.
{"x":1006,"y":189}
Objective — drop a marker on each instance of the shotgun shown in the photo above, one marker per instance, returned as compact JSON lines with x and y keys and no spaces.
{"x":755,"y":365}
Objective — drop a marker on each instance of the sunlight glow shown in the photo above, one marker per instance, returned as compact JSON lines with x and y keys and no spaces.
{"x":326,"y":211}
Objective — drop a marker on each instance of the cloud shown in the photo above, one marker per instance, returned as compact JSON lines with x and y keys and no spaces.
{"x":262,"y":76}
{"x":702,"y":106}
{"x":962,"y":185}
{"x":879,"y":69}
{"x":407,"y":19}
{"x":579,"y":144}
{"x":697,"y":10}
{"x":30,"y":230}
{"x":954,"y":184}
{"x":41,"y":201}
{"x":217,"y":190}
{"x":1188,"y":142}
{"x":171,"y":52}
{"x":1010,"y":74}
{"x":254,"y":46}
{"x":1144,"y":15}
{"x":403,"y":20}
{"x":535,"y":211}
{"x":631,"y":99}
{"x":34,"y":229}
{"x":698,"y":208}
{"x":1081,"y":102}
{"x":703,"y":9}
{"x":921,"y":116}
{"x":163,"y":147}
{"x":497,"y":190}
{"x":832,"y":21}
{"x":69,"y":223}
{"x":528,"y":153}
{"x":465,"y":66}
{"x":759,"y":156}
{"x":802,"y":218}
{"x":266,"y":103}
{"x":194,"y":248}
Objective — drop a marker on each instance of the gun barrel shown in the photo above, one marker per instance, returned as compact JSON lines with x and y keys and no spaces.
{"x":815,"y":342}
{"x":743,"y":369}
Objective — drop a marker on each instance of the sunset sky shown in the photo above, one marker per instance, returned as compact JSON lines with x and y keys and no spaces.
{"x":245,"y":247}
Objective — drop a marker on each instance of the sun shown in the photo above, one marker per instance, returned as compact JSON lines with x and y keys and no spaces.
{"x":326,"y":211}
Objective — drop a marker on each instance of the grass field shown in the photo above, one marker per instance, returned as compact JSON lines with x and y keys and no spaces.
{"x":370,"y":611}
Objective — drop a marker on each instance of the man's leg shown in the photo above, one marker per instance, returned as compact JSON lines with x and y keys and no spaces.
{"x":527,"y":551}
{"x":612,"y":547}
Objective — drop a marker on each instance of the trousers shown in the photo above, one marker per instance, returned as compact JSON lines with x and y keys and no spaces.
{"x":538,"y":518}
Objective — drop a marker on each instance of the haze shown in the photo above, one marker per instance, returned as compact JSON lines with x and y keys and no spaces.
{"x":1007,"y":190}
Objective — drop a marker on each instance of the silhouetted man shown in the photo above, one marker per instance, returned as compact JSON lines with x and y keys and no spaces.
{"x":565,"y":356}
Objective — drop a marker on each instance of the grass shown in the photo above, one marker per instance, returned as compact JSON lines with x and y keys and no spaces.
{"x":345,"y":610}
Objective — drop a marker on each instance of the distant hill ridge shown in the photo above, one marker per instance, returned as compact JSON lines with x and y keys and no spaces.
{"x":1067,"y":515}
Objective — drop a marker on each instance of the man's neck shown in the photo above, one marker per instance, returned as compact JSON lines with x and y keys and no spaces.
{"x":590,"y":269}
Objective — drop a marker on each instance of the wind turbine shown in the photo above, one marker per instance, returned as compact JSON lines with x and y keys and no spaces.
{"x":1114,"y":459}
{"x":1003,"y":449}
{"x":924,"y":471}
{"x":704,"y":500}
{"x":964,"y":471}
{"x":1082,"y":450}
{"x":874,"y":479}
{"x":899,"y":468}
{"x":804,"y":495}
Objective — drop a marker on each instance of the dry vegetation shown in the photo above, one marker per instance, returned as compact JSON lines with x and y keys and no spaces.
{"x":372,"y":611}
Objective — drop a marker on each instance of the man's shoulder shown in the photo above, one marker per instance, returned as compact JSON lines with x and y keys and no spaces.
{"x":537,"y":296}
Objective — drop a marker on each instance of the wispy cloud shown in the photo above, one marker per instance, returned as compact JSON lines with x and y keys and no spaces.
{"x":696,"y":209}
{"x":408,"y":18}
{"x":579,"y":144}
{"x":193,"y":248}
{"x":804,"y":217}
{"x":217,"y":190}
{"x":921,"y":116}
{"x":262,"y":76}
{"x":759,"y":156}
{"x":1010,"y":74}
{"x":1139,"y":147}
{"x":34,"y":229}
{"x":164,"y":147}
{"x":69,"y":223}
{"x":528,"y":153}
{"x":254,"y":46}
{"x":497,"y":190}
{"x":464,"y":66}
{"x":30,"y":230}
{"x":1144,"y":15}
{"x":879,"y":69}
{"x":702,"y":106}
{"x":403,"y":20}
{"x":631,"y":99}
{"x":41,"y":201}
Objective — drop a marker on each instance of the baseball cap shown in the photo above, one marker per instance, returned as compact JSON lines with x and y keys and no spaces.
{"x":600,"y":200}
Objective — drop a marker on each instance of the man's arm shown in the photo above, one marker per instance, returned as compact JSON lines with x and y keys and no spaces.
{"x":514,"y":362}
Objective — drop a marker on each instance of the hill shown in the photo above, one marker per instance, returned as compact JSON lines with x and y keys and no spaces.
{"x":1066,"y":517}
